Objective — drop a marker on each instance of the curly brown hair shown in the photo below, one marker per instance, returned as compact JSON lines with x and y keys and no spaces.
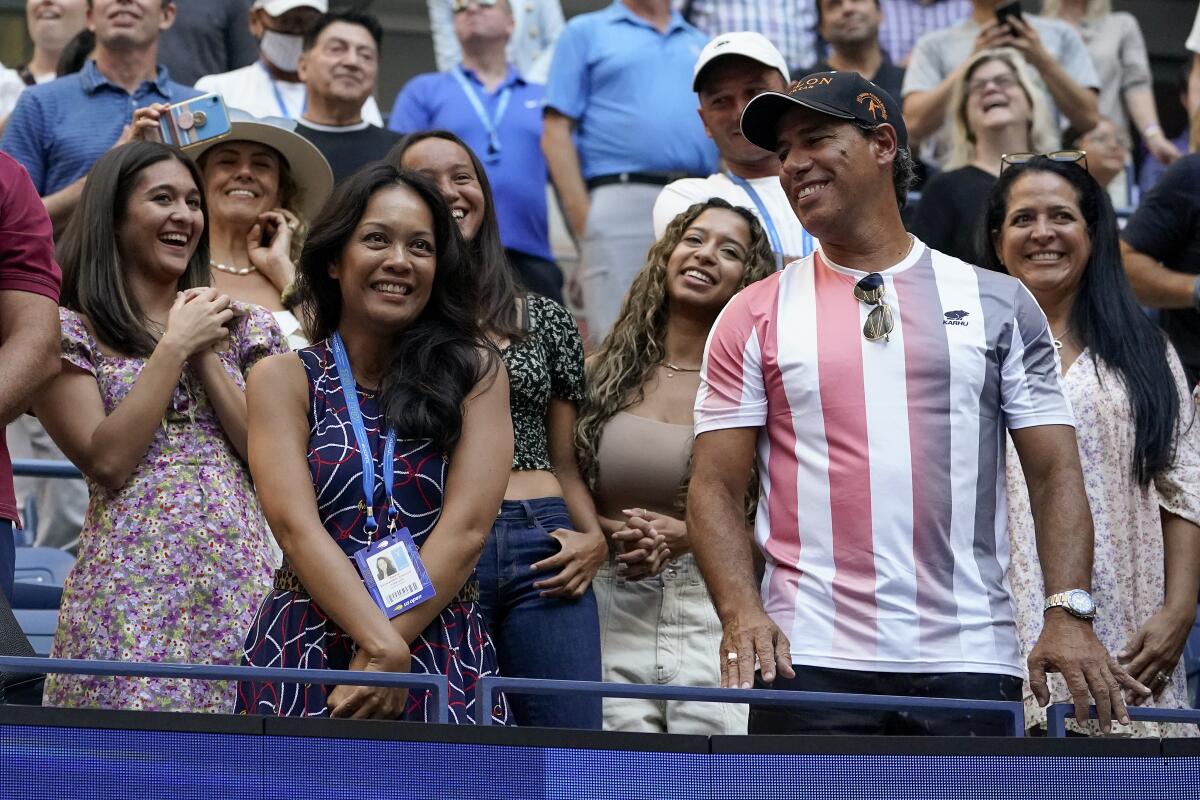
{"x":617,"y":373}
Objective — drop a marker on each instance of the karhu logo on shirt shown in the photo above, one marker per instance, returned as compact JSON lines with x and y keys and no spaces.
{"x":956,"y":317}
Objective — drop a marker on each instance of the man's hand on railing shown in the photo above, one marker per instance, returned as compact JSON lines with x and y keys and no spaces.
{"x":1069,"y":646}
{"x":747,"y":635}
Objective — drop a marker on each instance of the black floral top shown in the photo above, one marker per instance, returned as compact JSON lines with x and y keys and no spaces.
{"x":547,"y":363}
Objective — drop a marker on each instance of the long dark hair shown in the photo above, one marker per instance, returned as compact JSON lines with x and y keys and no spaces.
{"x":95,"y":282}
{"x":495,"y":278}
{"x":434,"y":363}
{"x":1105,"y":314}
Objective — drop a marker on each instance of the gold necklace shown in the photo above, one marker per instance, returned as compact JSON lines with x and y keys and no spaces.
{"x":232,"y":270}
{"x":672,"y":369}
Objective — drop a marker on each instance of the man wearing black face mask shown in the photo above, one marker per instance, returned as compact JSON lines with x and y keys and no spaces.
{"x":271,"y":87}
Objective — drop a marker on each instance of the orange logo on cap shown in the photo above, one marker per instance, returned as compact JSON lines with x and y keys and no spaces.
{"x":873,"y":104}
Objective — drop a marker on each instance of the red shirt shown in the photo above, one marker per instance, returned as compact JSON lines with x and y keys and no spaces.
{"x":26,"y":265}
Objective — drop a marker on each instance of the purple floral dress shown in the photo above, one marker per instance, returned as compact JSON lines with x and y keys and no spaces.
{"x":171,"y":566}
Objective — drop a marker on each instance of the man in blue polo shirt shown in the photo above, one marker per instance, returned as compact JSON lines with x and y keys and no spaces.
{"x":621,"y":83}
{"x":59,"y":129}
{"x":486,"y":102}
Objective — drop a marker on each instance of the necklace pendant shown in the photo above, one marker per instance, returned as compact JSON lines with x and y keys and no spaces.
{"x":1058,"y":345}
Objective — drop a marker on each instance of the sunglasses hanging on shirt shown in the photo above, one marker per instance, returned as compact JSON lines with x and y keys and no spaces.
{"x":880,"y":322}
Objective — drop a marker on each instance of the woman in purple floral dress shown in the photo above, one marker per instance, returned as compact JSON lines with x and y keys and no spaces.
{"x":173,"y":556}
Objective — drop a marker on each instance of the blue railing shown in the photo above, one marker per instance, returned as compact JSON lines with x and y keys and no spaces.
{"x":37,"y":468}
{"x":219,"y":672}
{"x":486,"y":689}
{"x":1056,"y":716}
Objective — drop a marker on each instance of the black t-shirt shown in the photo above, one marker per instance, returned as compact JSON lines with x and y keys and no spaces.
{"x":1166,"y":227}
{"x":347,"y":151}
{"x":888,"y":77}
{"x":951,"y":211}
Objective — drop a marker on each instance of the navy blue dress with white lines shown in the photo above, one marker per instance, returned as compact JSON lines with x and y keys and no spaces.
{"x":290,"y":630}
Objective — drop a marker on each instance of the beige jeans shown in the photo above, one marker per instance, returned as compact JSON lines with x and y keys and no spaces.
{"x":662,"y":630}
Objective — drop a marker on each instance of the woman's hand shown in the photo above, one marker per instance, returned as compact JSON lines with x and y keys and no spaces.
{"x":269,"y":245}
{"x":1156,"y":648}
{"x":643,"y":549}
{"x":198,"y":320}
{"x":578,"y":562}
{"x":373,"y":702}
{"x":673,"y":530}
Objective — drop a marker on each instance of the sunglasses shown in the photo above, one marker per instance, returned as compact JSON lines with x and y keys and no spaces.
{"x":1061,"y":156}
{"x":462,"y":5}
{"x":880,"y":323}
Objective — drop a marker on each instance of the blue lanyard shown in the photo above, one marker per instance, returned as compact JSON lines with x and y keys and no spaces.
{"x":491,"y":125}
{"x":763,"y":214}
{"x":350,"y":391}
{"x":283,"y":109}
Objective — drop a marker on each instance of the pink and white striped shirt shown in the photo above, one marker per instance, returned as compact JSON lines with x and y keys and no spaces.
{"x":882,"y":512}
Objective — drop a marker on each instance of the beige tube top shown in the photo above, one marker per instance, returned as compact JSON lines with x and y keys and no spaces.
{"x":642,"y":464}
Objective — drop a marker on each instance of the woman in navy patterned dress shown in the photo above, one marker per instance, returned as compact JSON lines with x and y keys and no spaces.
{"x":384,"y":269}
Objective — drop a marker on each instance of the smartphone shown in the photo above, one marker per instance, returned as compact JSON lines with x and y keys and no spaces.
{"x":1007,"y":10}
{"x":201,"y":119}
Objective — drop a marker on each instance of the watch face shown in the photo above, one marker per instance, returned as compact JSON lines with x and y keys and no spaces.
{"x":1080,"y":602}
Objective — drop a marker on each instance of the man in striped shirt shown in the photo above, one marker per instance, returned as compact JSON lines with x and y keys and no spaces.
{"x":875,"y":380}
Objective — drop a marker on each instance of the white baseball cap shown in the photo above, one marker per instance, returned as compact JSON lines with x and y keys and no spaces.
{"x":277,"y":8}
{"x":748,"y":44}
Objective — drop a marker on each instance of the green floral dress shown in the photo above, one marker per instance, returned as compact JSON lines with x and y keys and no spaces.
{"x":171,"y":566}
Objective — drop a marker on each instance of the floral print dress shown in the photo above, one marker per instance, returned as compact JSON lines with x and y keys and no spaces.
{"x":171,"y":566}
{"x":1128,"y":580}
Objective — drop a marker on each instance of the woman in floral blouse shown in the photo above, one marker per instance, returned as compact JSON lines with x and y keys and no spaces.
{"x":150,"y":405}
{"x":1139,"y":442}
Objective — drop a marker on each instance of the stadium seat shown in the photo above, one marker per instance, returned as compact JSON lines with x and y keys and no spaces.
{"x":39,"y":626}
{"x":47,"y":565}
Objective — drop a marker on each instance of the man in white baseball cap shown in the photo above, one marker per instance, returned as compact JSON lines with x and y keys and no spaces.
{"x":271,"y":87}
{"x":732,"y":69}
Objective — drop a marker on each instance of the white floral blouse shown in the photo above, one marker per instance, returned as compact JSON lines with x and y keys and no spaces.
{"x":1127,"y":574}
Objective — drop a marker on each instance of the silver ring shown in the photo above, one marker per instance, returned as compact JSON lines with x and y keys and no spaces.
{"x":731,"y":657}
{"x":1162,"y":677}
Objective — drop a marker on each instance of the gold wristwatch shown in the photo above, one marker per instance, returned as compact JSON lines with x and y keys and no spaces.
{"x":1076,"y":602}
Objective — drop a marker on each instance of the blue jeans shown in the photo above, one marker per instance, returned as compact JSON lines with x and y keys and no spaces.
{"x":535,"y":636}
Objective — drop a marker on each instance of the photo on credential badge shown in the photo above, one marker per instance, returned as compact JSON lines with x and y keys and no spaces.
{"x":394,"y":575}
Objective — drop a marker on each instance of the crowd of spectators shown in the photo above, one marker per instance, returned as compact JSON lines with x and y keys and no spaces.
{"x":795,"y":420}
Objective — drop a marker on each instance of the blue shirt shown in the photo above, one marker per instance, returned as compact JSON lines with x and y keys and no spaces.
{"x":629,"y":88}
{"x":518,"y":175}
{"x":59,"y":129}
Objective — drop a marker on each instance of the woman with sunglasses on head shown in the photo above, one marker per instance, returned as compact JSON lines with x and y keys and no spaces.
{"x":996,"y":110}
{"x":1050,"y":225}
{"x":394,"y":421}
{"x":546,"y":544}
{"x":173,"y":555}
{"x":635,"y":440}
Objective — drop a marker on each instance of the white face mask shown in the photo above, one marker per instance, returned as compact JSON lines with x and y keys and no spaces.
{"x":281,"y":49}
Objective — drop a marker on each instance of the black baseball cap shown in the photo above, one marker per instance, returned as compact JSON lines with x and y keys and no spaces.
{"x":845,"y":95}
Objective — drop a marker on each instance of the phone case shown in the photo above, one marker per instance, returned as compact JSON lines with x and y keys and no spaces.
{"x":201,"y":119}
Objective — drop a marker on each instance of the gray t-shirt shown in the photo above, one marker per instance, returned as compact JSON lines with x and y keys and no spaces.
{"x":937,"y":54}
{"x":208,"y":37}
